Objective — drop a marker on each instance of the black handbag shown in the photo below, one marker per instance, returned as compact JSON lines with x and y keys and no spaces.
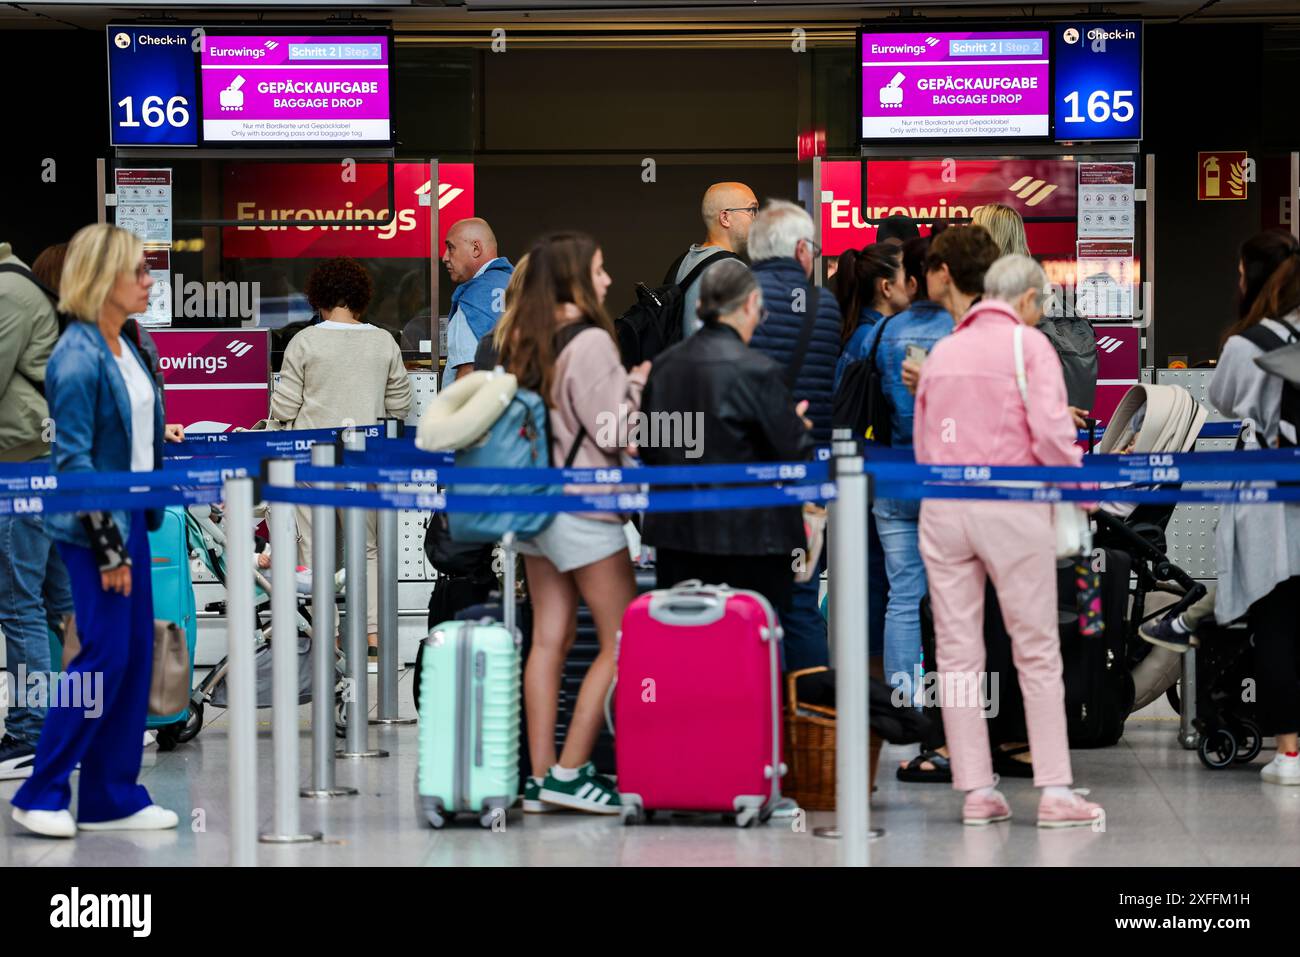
{"x":456,"y":559}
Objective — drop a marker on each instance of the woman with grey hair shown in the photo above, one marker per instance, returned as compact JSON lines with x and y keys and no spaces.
{"x":744,"y":412}
{"x":992,"y":393}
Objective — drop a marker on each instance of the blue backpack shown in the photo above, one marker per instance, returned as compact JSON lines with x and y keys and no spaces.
{"x":518,"y":439}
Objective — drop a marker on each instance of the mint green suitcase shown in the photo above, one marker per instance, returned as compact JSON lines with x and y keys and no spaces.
{"x":469,"y":718}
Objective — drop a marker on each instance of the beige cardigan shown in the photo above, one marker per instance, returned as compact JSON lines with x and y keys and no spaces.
{"x":336,"y":377}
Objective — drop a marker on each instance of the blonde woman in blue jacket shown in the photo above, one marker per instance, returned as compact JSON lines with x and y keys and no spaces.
{"x":108,"y":417}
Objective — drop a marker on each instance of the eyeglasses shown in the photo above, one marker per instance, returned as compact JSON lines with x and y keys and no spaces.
{"x":752,"y":210}
{"x":816,"y":249}
{"x":763,"y":314}
{"x":142,"y":272}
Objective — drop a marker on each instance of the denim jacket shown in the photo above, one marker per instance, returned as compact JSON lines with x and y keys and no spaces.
{"x":855,"y":349}
{"x":923,"y":324}
{"x":91,"y":412}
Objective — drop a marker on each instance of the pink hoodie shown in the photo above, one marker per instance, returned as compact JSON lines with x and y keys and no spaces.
{"x":969,"y":410}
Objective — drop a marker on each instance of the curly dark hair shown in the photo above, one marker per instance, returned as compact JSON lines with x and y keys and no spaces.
{"x":968,"y":252}
{"x":340,"y":282}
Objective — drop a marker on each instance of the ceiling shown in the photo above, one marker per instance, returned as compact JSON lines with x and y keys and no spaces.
{"x":456,"y":16}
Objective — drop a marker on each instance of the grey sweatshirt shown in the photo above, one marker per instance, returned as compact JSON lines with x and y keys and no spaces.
{"x":1256,"y":546}
{"x":335,"y":377}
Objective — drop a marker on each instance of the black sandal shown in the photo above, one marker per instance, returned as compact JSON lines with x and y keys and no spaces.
{"x":1005,"y":764}
{"x":941,"y":773}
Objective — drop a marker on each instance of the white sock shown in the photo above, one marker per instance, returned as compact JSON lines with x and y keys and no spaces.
{"x":535,"y":779}
{"x":985,"y":792}
{"x":564,"y":774}
{"x":1058,"y":791}
{"x":1180,"y":626}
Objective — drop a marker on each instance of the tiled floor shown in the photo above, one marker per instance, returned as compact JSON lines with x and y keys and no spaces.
{"x":1163,"y":808}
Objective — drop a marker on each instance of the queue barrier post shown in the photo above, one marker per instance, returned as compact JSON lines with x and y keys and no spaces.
{"x":847,"y":531}
{"x":241,"y":680}
{"x":1188,"y":736}
{"x":284,"y":662}
{"x":386,"y":522}
{"x":356,"y":695}
{"x":324,"y":620}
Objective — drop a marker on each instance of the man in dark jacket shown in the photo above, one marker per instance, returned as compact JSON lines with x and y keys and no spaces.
{"x":744,"y":413}
{"x":783,"y":253}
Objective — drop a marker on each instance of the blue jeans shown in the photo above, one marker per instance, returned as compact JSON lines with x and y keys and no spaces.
{"x":101,"y":727}
{"x":877,"y":590}
{"x":34,"y":595}
{"x":897,"y":525}
{"x":805,"y":644}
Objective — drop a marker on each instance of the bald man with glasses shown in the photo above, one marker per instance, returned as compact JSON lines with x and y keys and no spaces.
{"x":728,"y":211}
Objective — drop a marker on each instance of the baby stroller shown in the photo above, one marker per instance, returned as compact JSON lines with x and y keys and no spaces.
{"x":208,"y":545}
{"x":1149,"y":419}
{"x":1166,"y":419}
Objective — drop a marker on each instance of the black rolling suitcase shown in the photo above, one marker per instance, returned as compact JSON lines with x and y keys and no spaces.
{"x":1098,"y":685}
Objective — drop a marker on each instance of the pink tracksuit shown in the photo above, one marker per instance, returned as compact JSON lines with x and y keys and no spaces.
{"x":969,"y":412}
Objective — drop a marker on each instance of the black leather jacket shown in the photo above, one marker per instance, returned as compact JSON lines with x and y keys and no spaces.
{"x":746,"y":415}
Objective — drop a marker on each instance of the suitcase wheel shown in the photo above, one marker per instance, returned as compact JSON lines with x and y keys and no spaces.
{"x":747,"y":817}
{"x":193,"y":721}
{"x":434,"y":812}
{"x":1218,"y":749}
{"x":633,"y":814}
{"x":169,"y":735}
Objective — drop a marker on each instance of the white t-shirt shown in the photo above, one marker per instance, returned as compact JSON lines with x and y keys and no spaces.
{"x":139,"y":390}
{"x":331,"y":324}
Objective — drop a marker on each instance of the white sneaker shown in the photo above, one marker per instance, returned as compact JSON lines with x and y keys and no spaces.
{"x":47,"y":823}
{"x":151,"y":818}
{"x":1282,"y":770}
{"x":150,"y":738}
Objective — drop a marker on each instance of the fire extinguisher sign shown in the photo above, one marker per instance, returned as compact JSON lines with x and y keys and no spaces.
{"x":1221,"y":174}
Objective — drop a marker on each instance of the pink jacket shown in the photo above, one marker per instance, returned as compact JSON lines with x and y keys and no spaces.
{"x":968,"y":407}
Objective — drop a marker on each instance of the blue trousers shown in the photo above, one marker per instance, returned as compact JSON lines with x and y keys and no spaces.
{"x":897,"y":525}
{"x":805,"y":644}
{"x":114,"y":667}
{"x":34,"y":595}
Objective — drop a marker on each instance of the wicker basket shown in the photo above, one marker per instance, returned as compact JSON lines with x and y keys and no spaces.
{"x":810,"y":750}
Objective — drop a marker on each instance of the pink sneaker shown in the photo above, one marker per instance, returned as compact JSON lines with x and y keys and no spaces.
{"x":981,"y":809}
{"x":1070,"y":812}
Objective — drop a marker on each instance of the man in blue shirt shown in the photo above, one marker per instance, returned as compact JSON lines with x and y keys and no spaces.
{"x":478,"y":300}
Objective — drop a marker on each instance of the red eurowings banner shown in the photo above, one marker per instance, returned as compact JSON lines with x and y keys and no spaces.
{"x":335,"y":206}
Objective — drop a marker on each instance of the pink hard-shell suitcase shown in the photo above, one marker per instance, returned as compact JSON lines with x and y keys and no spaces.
{"x":698,"y":703}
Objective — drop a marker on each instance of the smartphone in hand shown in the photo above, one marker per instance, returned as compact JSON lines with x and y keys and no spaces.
{"x":915,"y":353}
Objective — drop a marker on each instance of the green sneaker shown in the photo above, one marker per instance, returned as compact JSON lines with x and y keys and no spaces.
{"x":589,"y":791}
{"x":533,"y":803}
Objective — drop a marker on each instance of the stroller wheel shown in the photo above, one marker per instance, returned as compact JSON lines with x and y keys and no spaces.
{"x":1250,"y":741}
{"x":193,"y":724}
{"x":1218,"y":749}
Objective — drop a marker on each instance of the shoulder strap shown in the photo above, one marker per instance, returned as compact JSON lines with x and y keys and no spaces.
{"x":1022,"y":380}
{"x":562,"y":339}
{"x":871,"y":356}
{"x":30,"y":277}
{"x":702,"y":265}
{"x":1264,"y":337}
{"x":54,"y":301}
{"x":805,"y":337}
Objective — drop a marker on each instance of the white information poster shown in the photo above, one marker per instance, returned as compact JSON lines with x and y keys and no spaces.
{"x":1106,"y":208}
{"x":144,"y":204}
{"x":1104,"y":278}
{"x":159,"y":313}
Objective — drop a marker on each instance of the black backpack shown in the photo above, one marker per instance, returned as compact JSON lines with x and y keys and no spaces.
{"x":1268,"y":340}
{"x":654,"y":321}
{"x":860,"y":402}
